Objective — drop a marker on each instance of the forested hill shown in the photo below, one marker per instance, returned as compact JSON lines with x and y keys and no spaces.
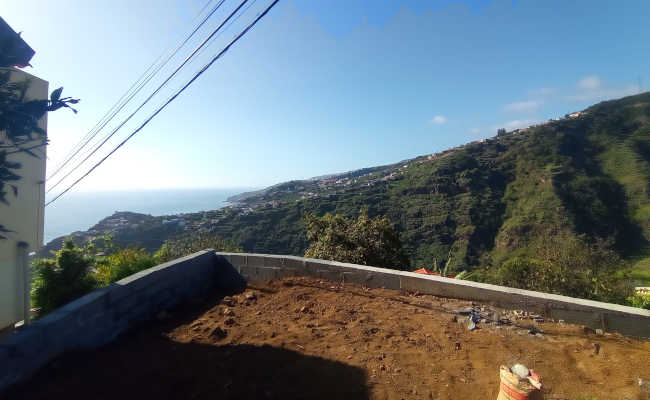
{"x":585,"y":174}
{"x":583,"y":177}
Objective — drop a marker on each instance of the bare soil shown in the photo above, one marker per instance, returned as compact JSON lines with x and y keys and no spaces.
{"x":308,"y":339}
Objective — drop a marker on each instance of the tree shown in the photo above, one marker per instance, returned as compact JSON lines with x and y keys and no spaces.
{"x":60,"y":280}
{"x":564,"y":264}
{"x":501,"y":131}
{"x":366,"y":241}
{"x":19,"y":130}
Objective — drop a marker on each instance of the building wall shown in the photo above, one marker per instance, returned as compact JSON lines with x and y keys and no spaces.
{"x":23,"y":215}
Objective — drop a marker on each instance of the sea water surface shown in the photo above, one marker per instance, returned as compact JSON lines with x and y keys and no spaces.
{"x":78,"y":211}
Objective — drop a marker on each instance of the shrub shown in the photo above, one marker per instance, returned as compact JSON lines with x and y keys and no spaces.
{"x":77,"y":271}
{"x":183,"y":246}
{"x":565,"y":265}
{"x":121,"y":264}
{"x":366,"y":241}
{"x":641,"y":300}
{"x":62,"y":279}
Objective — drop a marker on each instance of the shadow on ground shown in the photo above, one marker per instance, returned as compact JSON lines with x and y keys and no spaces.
{"x":163,"y":369}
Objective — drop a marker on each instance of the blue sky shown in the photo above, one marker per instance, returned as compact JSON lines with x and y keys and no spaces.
{"x":327,"y":86}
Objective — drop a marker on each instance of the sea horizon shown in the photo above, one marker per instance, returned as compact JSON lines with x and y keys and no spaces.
{"x":78,"y":211}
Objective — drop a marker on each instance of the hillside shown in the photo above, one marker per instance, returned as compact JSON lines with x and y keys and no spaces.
{"x":584,"y":176}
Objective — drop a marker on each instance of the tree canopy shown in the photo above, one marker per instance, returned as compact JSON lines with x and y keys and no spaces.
{"x":365,"y":240}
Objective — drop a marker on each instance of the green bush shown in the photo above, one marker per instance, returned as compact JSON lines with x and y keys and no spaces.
{"x":565,"y":265}
{"x":366,"y":241}
{"x":180,"y":247}
{"x":60,"y":280}
{"x":640,"y":300}
{"x":121,"y":264}
{"x":77,"y":271}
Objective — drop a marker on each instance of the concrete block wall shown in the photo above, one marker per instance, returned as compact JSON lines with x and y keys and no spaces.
{"x":629,"y":321}
{"x":102,"y":315}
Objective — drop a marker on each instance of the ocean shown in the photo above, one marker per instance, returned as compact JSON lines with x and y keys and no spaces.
{"x":81,"y":210}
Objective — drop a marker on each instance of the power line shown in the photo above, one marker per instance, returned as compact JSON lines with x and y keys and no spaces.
{"x":225,"y":30}
{"x":108,"y":116}
{"x":121,"y":103}
{"x":172,"y":98}
{"x":162,"y":85}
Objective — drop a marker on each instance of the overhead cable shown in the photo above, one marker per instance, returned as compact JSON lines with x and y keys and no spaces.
{"x":162,"y":85}
{"x":172,"y":98}
{"x":140,"y":83}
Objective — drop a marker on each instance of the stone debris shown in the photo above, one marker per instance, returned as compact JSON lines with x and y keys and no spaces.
{"x":250,"y":296}
{"x":483,"y":315}
{"x":229,"y":322}
{"x":229,"y":301}
{"x":228,"y":312}
{"x":596,"y":348}
{"x":471,"y":325}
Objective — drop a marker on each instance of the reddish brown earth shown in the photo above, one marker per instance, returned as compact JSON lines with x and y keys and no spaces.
{"x":309,"y":339}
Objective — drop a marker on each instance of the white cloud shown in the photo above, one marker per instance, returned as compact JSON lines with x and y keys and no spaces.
{"x":523,"y":106}
{"x":474,"y":131}
{"x":590,"y":82}
{"x":592,"y":89}
{"x":438,"y":120}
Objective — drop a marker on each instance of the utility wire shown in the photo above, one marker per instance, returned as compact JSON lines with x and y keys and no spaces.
{"x":162,"y":85}
{"x":172,"y":98}
{"x":140,"y":83}
{"x":224,"y":30}
{"x":110,"y":114}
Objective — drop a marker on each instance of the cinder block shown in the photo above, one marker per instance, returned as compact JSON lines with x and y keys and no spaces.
{"x":95,"y":301}
{"x":287,"y":272}
{"x":374,"y":279}
{"x":313,"y":266}
{"x":446,"y":287}
{"x":141,"y":280}
{"x":333,"y":276}
{"x":26,"y":342}
{"x":255,"y":260}
{"x":637,"y":326}
{"x":227,"y":277}
{"x":238,"y":259}
{"x":581,"y":317}
{"x":259,"y":274}
{"x":296,"y":263}
{"x":274,"y":261}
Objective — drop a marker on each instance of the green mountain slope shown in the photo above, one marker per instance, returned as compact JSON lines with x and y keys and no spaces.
{"x":489,"y":201}
{"x":583,"y":177}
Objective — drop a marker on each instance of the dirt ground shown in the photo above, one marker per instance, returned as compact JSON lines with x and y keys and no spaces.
{"x":308,"y":339}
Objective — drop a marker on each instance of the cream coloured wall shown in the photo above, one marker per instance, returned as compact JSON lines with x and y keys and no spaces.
{"x":23,"y":215}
